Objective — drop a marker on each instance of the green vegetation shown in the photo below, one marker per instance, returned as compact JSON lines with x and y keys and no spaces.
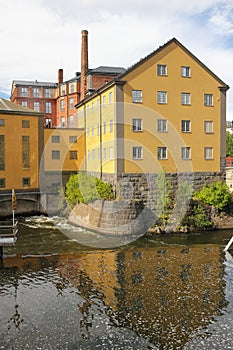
{"x":216,"y":194}
{"x":229,"y":144}
{"x":197,"y":218}
{"x":85,"y":188}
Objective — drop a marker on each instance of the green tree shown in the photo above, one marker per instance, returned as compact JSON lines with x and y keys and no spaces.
{"x":229,"y":144}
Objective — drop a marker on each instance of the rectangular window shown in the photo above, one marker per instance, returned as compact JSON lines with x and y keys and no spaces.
{"x":2,"y":182}
{"x":161,"y":69}
{"x":208,"y":153}
{"x":88,"y":154}
{"x":73,"y":155}
{"x":104,"y":101}
{"x":162,"y":97}
{"x":71,"y":121}
{"x":137,"y":124}
{"x":93,"y":154}
{"x":104,"y":127}
{"x":185,"y":72}
{"x":55,"y":138}
{"x":72,"y":139}
{"x":185,"y":125}
{"x":186,"y":153}
{"x":208,"y":99}
{"x":137,"y":96}
{"x":48,"y":122}
{"x":92,"y":130}
{"x":71,"y":88}
{"x":26,"y":181}
{"x":47,"y":93}
{"x":2,"y":122}
{"x":105,"y":153}
{"x":162,"y":125}
{"x":55,"y":154}
{"x":208,"y":126}
{"x":25,"y":123}
{"x":2,"y":152}
{"x":62,"y":105}
{"x":185,"y":98}
{"x":110,"y":97}
{"x":137,"y":153}
{"x":110,"y":126}
{"x":24,"y":92}
{"x":110,"y":153}
{"x":162,"y":152}
{"x":37,"y":106}
{"x":48,"y":107}
{"x":26,"y":152}
{"x":92,"y":107}
{"x":24,"y":103}
{"x":63,"y":122}
{"x":71,"y":103}
{"x":98,"y":130}
{"x":63,"y":89}
{"x":36,"y":92}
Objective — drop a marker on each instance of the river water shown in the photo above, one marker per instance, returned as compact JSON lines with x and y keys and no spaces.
{"x":164,"y":292}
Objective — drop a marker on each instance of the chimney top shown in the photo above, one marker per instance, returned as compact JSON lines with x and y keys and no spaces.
{"x":84,"y":32}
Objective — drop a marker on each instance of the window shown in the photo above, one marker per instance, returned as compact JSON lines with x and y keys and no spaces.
{"x":55,"y":154}
{"x":162,"y":152}
{"x":104,"y":101}
{"x":186,"y":153}
{"x":2,"y":122}
{"x":105,"y":153}
{"x":162,"y":125}
{"x":48,"y":107}
{"x":26,"y":152}
{"x":48,"y":122}
{"x":71,"y":103}
{"x":208,"y":126}
{"x":208,"y":99}
{"x":71,"y":121}
{"x":92,"y":107}
{"x":47,"y":93}
{"x":63,"y":89}
{"x":37,"y":106}
{"x":93,"y":154}
{"x":25,"y":123}
{"x":63,"y":122}
{"x":55,"y":138}
{"x":88,"y":132}
{"x":62,"y":105}
{"x":208,"y":153}
{"x":73,"y":155}
{"x":98,"y":130}
{"x":71,"y":88}
{"x":137,"y":152}
{"x":26,"y":181}
{"x":185,"y":71}
{"x":2,"y":182}
{"x":186,"y":126}
{"x":104,"y":127}
{"x":73,"y":139}
{"x":24,"y":92}
{"x":137,"y":124}
{"x":110,"y":153}
{"x":137,"y":96}
{"x":2,"y":152}
{"x":88,"y":154}
{"x":185,"y":98}
{"x":24,"y":103}
{"x":162,"y":97}
{"x":36,"y":92}
{"x":110,"y":97}
{"x":110,"y":126}
{"x":161,"y":69}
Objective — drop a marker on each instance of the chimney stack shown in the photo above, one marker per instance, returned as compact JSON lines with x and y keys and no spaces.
{"x":60,"y":76}
{"x":84,"y":63}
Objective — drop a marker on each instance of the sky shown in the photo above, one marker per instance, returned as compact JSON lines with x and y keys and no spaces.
{"x":38,"y":37}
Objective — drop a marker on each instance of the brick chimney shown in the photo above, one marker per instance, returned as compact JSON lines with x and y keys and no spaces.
{"x":84,"y":63}
{"x":60,"y":76}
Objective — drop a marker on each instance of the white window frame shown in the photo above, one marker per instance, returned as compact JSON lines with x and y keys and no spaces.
{"x":110,"y":97}
{"x":162,"y":125}
{"x":24,"y":103}
{"x":36,"y":106}
{"x":48,"y":107}
{"x":186,"y":126}
{"x":185,"y":71}
{"x":137,"y":96}
{"x":162,"y":153}
{"x":137,"y":125}
{"x":208,"y":153}
{"x":110,"y":125}
{"x":208,"y":100}
{"x":47,"y":93}
{"x":71,"y":103}
{"x":24,"y":92}
{"x":208,"y":126}
{"x":93,"y":154}
{"x":161,"y":69}
{"x":36,"y":92}
{"x":104,"y":153}
{"x":162,"y":97}
{"x":186,"y":153}
{"x":137,"y":152}
{"x":62,"y":105}
{"x":185,"y":98}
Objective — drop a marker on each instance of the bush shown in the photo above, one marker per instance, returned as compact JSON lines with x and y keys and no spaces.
{"x":216,"y":194}
{"x":85,"y":188}
{"x":197,"y":218}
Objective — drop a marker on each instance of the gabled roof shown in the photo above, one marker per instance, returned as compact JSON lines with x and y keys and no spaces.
{"x":34,"y":83}
{"x":9,"y":107}
{"x":174,"y":40}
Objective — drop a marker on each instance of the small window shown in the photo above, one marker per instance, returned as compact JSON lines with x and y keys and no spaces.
{"x":162,"y":97}
{"x":105,"y":153}
{"x":110,"y":97}
{"x":55,"y":154}
{"x":37,"y":106}
{"x":93,"y":154}
{"x":185,"y":98}
{"x":55,"y":138}
{"x":185,"y":72}
{"x":24,"y":103}
{"x":48,"y":122}
{"x":110,"y":126}
{"x":137,"y":124}
{"x":36,"y":92}
{"x":110,"y":153}
{"x":2,"y":183}
{"x":71,"y":88}
{"x":186,"y":153}
{"x":71,"y":121}
{"x":26,"y":181}
{"x":137,"y":153}
{"x":208,"y":99}
{"x":47,"y":93}
{"x":48,"y":107}
{"x":63,"y":122}
{"x":25,"y":123}
{"x":93,"y":130}
{"x":62,"y":105}
{"x":63,"y":89}
{"x":98,"y":130}
{"x":161,"y":69}
{"x":208,"y":153}
{"x":73,"y":139}
{"x":137,"y":96}
{"x":2,"y":122}
{"x":186,"y":126}
{"x":104,"y":127}
{"x":92,"y":107}
{"x":208,"y":126}
{"x":104,"y":101}
{"x":24,"y":92}
{"x":88,"y":132}
{"x":73,"y":155}
{"x":88,"y":154}
{"x":162,"y":152}
{"x":162,"y":125}
{"x":71,"y":103}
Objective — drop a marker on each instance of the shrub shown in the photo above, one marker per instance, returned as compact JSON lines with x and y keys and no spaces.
{"x":197,"y":218}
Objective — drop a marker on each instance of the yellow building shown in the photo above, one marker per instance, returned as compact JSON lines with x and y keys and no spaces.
{"x":166,"y":111}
